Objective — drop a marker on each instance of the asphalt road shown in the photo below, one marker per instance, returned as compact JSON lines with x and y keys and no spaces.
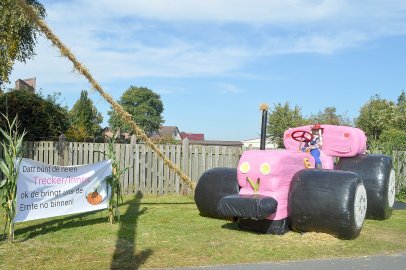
{"x":391,"y":262}
{"x":399,"y":206}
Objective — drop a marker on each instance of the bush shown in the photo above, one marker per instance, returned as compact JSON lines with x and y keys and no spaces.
{"x":42,"y":118}
{"x":401,"y":194}
{"x":394,"y":139}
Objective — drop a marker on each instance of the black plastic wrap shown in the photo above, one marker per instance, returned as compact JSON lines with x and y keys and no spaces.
{"x":374,"y":171}
{"x":213,"y":185}
{"x":264,"y":226}
{"x":247,"y":206}
{"x":323,"y":201}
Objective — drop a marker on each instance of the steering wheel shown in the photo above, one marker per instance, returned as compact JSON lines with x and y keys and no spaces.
{"x":302,"y":136}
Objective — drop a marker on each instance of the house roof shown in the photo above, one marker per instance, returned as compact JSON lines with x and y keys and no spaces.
{"x":217,"y":143}
{"x":109,"y":133}
{"x":192,"y":136}
{"x":166,"y":131}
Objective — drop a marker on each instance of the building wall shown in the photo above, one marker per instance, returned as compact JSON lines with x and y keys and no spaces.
{"x":256,"y":143}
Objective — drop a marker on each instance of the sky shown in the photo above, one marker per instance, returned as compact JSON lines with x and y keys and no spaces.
{"x":214,"y":62}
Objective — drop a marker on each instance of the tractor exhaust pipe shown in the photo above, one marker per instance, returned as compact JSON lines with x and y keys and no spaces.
{"x":264,"y":108}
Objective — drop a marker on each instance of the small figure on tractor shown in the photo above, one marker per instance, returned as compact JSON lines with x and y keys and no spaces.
{"x":315,"y":144}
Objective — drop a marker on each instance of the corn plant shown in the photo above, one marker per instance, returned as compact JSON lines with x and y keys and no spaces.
{"x":12,"y":148}
{"x":114,"y":182}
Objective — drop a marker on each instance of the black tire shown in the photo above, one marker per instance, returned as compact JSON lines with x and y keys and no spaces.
{"x":378,"y":177}
{"x":332,"y":202}
{"x":277,"y":227}
{"x":213,"y":185}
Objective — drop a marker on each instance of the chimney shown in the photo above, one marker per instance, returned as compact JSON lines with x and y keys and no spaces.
{"x":27,"y":84}
{"x":31,"y":82}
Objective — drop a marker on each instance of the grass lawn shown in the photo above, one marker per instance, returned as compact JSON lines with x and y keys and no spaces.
{"x":158,"y":232}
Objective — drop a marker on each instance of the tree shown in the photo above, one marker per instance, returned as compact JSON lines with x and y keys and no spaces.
{"x":281,"y":118}
{"x":400,"y":112}
{"x":402,"y":98}
{"x":18,"y":36}
{"x":85,"y":119}
{"x":376,"y":116}
{"x":144,"y":105}
{"x":329,"y":116}
{"x":42,"y":118}
{"x":393,"y":139}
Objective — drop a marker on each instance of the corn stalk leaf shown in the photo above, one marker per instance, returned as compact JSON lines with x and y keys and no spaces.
{"x":4,"y":168}
{"x":3,"y":182}
{"x":5,"y":134}
{"x":19,"y":143}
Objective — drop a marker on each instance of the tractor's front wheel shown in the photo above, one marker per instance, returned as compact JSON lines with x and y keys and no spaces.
{"x":213,"y":185}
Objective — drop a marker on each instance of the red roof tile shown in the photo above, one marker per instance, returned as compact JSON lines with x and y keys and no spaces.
{"x":192,"y":136}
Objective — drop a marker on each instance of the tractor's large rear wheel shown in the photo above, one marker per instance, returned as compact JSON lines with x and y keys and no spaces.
{"x":378,"y":177}
{"x":333,"y":202}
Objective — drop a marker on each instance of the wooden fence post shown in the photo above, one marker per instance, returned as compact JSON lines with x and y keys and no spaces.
{"x":185,"y":163}
{"x":133,"y":140}
{"x":131,"y":166}
{"x":61,"y":150}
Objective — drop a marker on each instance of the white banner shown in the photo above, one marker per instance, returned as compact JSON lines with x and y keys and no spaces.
{"x":47,"y":191}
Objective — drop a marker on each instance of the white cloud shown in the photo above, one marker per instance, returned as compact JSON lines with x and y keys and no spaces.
{"x":312,"y":43}
{"x":228,"y":88}
{"x":129,"y":39}
{"x":287,"y":13}
{"x":225,"y":11}
{"x":47,"y":64}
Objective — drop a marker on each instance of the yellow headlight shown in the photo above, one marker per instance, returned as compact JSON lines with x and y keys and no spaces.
{"x":245,"y":167}
{"x":265,"y":168}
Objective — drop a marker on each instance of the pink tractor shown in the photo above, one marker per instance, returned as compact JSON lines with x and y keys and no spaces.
{"x":323,"y":182}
